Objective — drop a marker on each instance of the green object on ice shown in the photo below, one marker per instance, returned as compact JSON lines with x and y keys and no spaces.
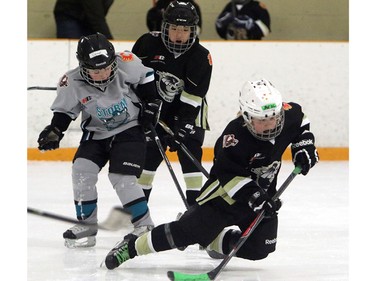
{"x":178,"y":276}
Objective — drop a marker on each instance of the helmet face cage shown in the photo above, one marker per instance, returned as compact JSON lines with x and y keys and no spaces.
{"x":178,"y":47}
{"x":269,"y":134}
{"x":179,"y":14}
{"x":260,"y":100}
{"x":95,"y":52}
{"x":99,"y":83}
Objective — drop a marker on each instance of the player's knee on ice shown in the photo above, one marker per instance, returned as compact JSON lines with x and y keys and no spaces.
{"x":259,"y":244}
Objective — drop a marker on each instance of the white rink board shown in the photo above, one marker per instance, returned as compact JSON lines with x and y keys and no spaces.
{"x":314,"y":74}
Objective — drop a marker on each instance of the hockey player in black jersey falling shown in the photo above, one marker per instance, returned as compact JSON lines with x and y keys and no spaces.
{"x":182,"y":73}
{"x":241,"y":184}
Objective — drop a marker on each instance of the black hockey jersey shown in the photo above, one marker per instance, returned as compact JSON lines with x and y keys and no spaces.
{"x":240,"y":157}
{"x":255,"y":10}
{"x":182,"y":81}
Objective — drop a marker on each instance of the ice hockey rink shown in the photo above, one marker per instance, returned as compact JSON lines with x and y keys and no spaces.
{"x":312,"y":239}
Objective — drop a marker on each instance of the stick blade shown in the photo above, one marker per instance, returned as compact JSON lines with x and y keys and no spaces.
{"x":118,"y":218}
{"x":178,"y":276}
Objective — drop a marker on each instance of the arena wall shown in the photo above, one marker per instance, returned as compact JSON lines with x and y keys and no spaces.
{"x":290,"y":19}
{"x":313,"y":74}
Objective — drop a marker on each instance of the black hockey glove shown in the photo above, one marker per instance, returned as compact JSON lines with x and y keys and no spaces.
{"x":263,"y":182}
{"x":243,"y":21}
{"x":304,"y":152}
{"x":150,"y":113}
{"x":179,"y":136}
{"x":224,"y":20}
{"x":49,"y":138}
{"x":260,"y":201}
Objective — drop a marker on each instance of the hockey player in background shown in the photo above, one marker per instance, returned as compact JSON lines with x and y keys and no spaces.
{"x":108,"y":89}
{"x":183,"y":70}
{"x":242,"y":182}
{"x":243,"y":20}
{"x":154,"y":16}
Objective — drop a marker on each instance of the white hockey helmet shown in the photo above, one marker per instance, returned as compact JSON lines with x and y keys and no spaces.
{"x":261,"y":100}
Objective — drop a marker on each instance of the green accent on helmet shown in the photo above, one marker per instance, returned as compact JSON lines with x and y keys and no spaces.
{"x":269,"y":106}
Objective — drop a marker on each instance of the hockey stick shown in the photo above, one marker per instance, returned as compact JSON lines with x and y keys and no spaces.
{"x":65,"y":219}
{"x":42,"y":88}
{"x":234,"y":9}
{"x":166,"y":160}
{"x":177,"y":276}
{"x":185,"y":150}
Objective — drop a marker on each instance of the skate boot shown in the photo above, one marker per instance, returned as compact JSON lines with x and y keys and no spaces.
{"x":120,"y":253}
{"x":140,"y":230}
{"x":81,"y":235}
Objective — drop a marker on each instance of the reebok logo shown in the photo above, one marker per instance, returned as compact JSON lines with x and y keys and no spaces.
{"x":302,"y":143}
{"x":270,"y":242}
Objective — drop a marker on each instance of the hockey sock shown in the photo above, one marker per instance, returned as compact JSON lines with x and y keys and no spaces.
{"x":193,"y":182}
{"x":145,"y":181}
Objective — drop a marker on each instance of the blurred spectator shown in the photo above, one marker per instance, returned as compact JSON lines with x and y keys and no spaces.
{"x":243,"y":20}
{"x":155,"y":15}
{"x":76,"y":18}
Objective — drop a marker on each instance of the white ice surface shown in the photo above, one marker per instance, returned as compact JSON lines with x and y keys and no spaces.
{"x":312,"y":238}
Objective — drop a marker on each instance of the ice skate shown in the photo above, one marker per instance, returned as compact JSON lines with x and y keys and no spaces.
{"x":117,"y":219}
{"x":139,"y":230}
{"x":120,"y":253}
{"x":81,"y":235}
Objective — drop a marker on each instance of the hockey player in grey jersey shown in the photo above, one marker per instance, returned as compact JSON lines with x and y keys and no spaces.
{"x":115,"y":93}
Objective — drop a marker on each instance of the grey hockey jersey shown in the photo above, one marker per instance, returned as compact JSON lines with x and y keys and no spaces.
{"x":109,"y":110}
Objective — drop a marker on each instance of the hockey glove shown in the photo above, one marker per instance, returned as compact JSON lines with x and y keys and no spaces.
{"x":179,"y":137}
{"x":260,"y":201}
{"x":150,"y":113}
{"x":304,"y":152}
{"x":243,"y":21}
{"x":49,"y":138}
{"x":223,"y":21}
{"x":263,"y":182}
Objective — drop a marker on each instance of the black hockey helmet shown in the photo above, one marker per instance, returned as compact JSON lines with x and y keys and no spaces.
{"x":96,"y":52}
{"x":181,"y":14}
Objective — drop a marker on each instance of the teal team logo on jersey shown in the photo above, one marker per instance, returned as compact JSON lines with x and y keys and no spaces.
{"x":114,"y":115}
